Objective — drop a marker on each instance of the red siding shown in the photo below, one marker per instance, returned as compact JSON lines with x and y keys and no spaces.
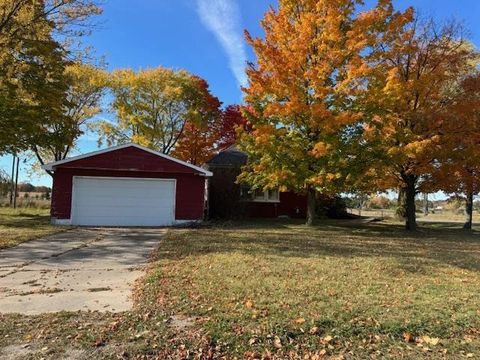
{"x":291,"y":205}
{"x":131,"y":159}
{"x":131,"y":162}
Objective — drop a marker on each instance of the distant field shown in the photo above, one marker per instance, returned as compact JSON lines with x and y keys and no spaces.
{"x":27,"y":202}
{"x":439,"y":216}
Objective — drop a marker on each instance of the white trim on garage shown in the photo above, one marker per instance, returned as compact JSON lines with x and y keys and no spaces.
{"x":73,"y":209}
{"x":51,"y":166}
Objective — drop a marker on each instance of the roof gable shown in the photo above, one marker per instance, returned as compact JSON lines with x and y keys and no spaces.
{"x":230,"y":157}
{"x":131,"y":157}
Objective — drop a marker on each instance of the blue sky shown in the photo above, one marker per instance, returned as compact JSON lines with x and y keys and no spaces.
{"x":204,"y":37}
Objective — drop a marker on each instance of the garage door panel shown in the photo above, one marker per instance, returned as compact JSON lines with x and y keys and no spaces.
{"x":123,"y":202}
{"x":115,"y":221}
{"x":122,"y":212}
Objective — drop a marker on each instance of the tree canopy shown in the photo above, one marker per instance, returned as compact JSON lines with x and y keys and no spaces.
{"x":86,"y":87}
{"x":34,"y":38}
{"x":301,"y":91}
{"x":154,"y":106}
{"x":344,"y":98}
{"x":413,"y":72}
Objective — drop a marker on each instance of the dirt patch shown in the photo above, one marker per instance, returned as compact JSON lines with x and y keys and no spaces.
{"x":180,"y":322}
{"x":14,"y":352}
{"x":18,"y":352}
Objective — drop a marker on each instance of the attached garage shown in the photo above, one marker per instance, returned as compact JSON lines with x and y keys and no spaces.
{"x":127,"y":185}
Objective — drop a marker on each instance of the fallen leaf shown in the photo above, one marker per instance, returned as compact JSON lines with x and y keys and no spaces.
{"x":299,"y":321}
{"x":142,"y":334}
{"x":277,"y":342}
{"x":327,"y":339}
{"x":408,"y":337}
{"x":99,"y":342}
{"x":430,"y":341}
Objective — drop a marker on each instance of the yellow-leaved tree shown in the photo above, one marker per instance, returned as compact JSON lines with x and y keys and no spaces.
{"x":37,"y":41}
{"x":86,"y":85}
{"x":154,"y":106}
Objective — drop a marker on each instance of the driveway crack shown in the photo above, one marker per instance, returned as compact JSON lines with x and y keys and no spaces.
{"x":20,"y":267}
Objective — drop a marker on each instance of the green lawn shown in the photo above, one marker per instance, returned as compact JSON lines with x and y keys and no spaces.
{"x":282,"y":290}
{"x":17,"y":226}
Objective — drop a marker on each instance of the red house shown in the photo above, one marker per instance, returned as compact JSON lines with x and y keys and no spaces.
{"x":228,"y":200}
{"x":127,"y":185}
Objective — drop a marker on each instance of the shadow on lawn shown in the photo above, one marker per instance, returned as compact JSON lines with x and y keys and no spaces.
{"x":24,"y":220}
{"x":348,"y":239}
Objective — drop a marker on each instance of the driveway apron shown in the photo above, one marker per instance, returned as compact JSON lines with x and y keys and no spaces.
{"x":81,"y":269}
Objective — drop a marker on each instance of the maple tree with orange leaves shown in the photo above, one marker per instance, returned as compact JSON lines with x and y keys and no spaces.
{"x":346,"y":99}
{"x":414,"y":65}
{"x":457,"y":169}
{"x":198,"y":141}
{"x":306,"y":121}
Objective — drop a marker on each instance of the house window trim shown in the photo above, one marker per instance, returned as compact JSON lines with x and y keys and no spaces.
{"x":266,"y":199}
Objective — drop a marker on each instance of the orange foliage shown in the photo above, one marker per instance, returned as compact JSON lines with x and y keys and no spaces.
{"x":197,"y":143}
{"x":458,"y":167}
{"x":310,"y":68}
{"x":415,"y":69}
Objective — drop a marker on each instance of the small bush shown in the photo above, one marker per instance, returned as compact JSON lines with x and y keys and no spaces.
{"x":333,"y":207}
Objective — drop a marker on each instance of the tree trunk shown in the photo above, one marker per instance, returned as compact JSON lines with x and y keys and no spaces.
{"x":411,"y":216}
{"x":311,"y":205}
{"x":469,"y":212}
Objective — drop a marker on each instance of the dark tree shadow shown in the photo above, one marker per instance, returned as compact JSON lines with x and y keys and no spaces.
{"x":446,"y":244}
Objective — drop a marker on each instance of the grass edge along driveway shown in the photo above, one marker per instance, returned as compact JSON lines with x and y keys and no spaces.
{"x":21,"y":225}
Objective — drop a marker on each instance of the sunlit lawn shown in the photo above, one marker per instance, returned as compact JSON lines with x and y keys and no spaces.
{"x":284,"y":287}
{"x":17,"y":226}
{"x":281,"y":290}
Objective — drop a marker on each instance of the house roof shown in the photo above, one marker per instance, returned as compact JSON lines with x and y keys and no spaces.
{"x":230,"y":157}
{"x":53,"y":165}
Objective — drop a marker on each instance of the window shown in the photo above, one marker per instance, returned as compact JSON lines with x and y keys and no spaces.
{"x":266,"y":196}
{"x":258,"y":195}
{"x":273,"y":195}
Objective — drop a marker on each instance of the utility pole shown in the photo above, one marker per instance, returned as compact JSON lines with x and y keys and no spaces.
{"x":425,"y":204}
{"x":12,"y":181}
{"x":16,"y":185}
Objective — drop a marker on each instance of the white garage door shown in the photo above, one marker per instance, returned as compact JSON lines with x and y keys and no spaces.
{"x":123,"y":202}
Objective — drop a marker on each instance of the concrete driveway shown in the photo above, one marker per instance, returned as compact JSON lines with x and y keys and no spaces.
{"x":81,"y":269}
